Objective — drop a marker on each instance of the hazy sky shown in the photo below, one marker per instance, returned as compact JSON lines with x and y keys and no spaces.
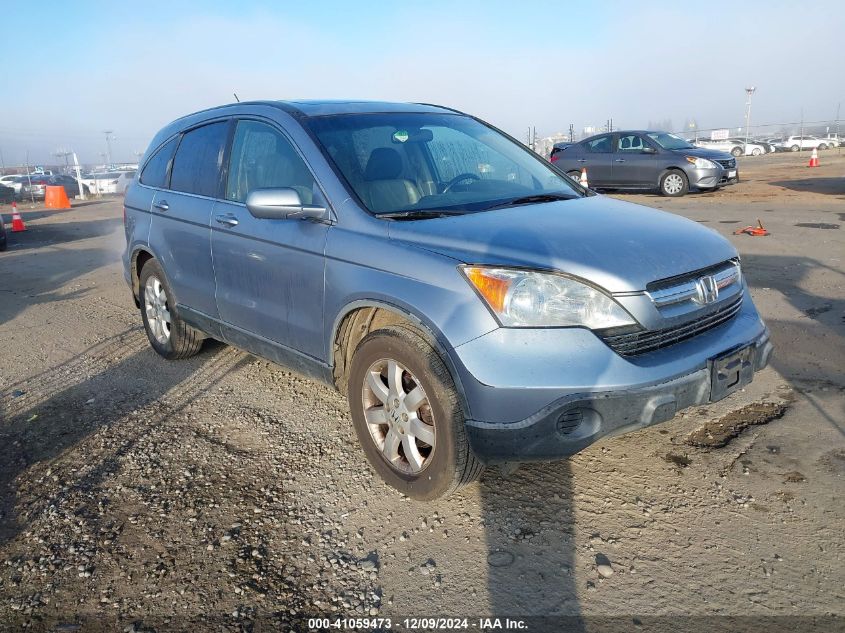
{"x":74,"y":69}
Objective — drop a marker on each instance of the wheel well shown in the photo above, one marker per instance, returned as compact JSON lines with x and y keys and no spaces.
{"x":352,"y":329}
{"x":141,"y":258}
{"x":669,"y":170}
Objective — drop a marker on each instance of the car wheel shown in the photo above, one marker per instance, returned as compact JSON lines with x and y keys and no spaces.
{"x":794,"y":148}
{"x":169,"y":336}
{"x":736,"y":152}
{"x":756,"y":151}
{"x":575,"y":175}
{"x":822,"y":146}
{"x":674,"y":184}
{"x":407,"y":415}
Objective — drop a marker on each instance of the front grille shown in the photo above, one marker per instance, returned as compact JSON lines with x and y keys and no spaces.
{"x":649,"y":341}
{"x":727,"y":164}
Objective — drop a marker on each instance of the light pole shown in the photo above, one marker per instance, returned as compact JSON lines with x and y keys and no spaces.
{"x":750,"y":93}
{"x":109,"y":138}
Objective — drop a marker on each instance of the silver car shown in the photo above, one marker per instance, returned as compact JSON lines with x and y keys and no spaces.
{"x":474,"y":304}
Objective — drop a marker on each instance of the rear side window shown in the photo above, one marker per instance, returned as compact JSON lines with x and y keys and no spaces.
{"x":196,"y":166}
{"x":155,"y":172}
{"x":600,"y":145}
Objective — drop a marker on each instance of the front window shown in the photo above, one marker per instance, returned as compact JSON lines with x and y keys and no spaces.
{"x":669,"y":141}
{"x":448,"y":162}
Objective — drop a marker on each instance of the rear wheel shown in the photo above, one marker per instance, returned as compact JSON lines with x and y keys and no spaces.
{"x":822,"y":146}
{"x":736,"y":152}
{"x":756,"y":151}
{"x":794,"y":148}
{"x":407,"y":415}
{"x":575,"y":175}
{"x":674,"y":184}
{"x":169,"y":336}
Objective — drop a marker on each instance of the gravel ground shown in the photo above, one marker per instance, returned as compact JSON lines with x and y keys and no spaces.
{"x":224,"y":492}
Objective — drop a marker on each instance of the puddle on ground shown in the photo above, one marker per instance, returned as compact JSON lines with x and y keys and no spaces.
{"x":817,"y":225}
{"x":816,"y":311}
{"x":717,"y":433}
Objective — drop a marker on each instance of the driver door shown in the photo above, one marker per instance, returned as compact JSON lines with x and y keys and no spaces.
{"x":635,"y":162}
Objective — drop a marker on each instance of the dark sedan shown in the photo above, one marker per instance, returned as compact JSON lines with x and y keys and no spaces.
{"x":647,"y":160}
{"x":70,"y":184}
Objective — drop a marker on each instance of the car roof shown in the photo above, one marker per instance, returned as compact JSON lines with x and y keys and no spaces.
{"x":305,"y":108}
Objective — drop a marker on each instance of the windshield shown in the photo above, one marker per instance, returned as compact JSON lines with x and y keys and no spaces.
{"x":448,"y":162}
{"x":669,"y":141}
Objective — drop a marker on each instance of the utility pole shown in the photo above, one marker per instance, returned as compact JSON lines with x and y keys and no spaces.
{"x":838,"y":138}
{"x":801,"y":144}
{"x":109,"y":138}
{"x":29,"y":178}
{"x":750,"y":93}
{"x":571,"y":133}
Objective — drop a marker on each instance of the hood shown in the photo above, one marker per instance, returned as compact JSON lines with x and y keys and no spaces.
{"x":703,"y":152}
{"x":616,"y":245}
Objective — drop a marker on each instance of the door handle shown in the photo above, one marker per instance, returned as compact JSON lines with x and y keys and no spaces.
{"x":620,"y":160}
{"x":582,"y":160}
{"x":162,"y":205}
{"x":227,"y":220}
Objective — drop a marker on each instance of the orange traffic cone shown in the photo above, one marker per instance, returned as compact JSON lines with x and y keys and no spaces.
{"x":814,"y":158}
{"x":584,"y":182}
{"x":56,"y":198}
{"x":17,"y":220}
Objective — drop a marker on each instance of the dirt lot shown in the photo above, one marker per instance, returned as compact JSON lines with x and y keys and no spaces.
{"x":224,"y":492}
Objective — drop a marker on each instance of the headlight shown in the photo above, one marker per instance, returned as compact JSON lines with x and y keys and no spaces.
{"x":701,"y":163}
{"x":522,"y":298}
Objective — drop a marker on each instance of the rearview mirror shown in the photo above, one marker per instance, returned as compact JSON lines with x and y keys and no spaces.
{"x":281,"y":203}
{"x":649,"y":150}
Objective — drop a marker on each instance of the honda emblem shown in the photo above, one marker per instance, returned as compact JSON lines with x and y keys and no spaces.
{"x":707,"y":290}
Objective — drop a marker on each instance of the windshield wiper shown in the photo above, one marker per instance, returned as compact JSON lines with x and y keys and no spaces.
{"x":534,"y":199}
{"x":419,"y":214}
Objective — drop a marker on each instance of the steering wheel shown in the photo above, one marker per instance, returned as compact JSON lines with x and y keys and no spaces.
{"x":459,"y":178}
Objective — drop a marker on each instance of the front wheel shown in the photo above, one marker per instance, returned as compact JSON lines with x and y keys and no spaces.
{"x":674,"y":184}
{"x":822,"y":146}
{"x":756,"y":151}
{"x":169,"y":336}
{"x":407,"y":415}
{"x":736,"y":152}
{"x":794,"y":148}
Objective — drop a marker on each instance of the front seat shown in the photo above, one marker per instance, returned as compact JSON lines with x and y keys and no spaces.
{"x":385,"y":189}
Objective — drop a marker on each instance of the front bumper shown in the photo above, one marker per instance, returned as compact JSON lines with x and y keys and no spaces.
{"x":712,"y":178}
{"x":551,"y":398}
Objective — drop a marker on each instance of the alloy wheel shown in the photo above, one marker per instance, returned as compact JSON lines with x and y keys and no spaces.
{"x":157,"y":309}
{"x":399,"y":416}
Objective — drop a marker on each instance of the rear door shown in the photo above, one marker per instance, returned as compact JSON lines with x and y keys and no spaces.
{"x":269,"y":272}
{"x":179,"y":231}
{"x":596,"y":155}
{"x":633,"y":165}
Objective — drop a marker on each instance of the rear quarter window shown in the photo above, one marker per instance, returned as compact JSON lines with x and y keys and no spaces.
{"x":155,"y":172}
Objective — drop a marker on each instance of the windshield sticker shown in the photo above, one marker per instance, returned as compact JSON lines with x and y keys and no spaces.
{"x":400,"y":136}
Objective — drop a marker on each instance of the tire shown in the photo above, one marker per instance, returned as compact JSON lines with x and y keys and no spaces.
{"x":674,"y":184}
{"x":736,"y":152}
{"x":756,"y":151}
{"x":178,"y":340}
{"x":794,"y":148}
{"x":575,"y":175}
{"x":437,"y":468}
{"x":822,"y":146}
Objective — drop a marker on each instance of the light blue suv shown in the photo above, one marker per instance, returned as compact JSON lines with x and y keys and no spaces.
{"x":476,"y":306}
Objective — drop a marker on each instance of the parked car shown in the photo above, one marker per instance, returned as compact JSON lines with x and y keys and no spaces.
{"x":108,"y":182}
{"x":797,"y":143}
{"x":3,"y":239}
{"x":14,"y":181}
{"x":475,"y":305}
{"x":34,"y":186}
{"x":728,"y":146}
{"x":70,"y":184}
{"x":834,"y":140}
{"x":7,"y":194}
{"x":751,"y":148}
{"x":647,"y":160}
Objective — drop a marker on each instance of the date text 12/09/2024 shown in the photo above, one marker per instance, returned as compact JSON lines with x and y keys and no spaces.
{"x":412,"y":624}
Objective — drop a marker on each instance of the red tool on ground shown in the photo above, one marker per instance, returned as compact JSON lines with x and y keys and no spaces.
{"x":754,"y":231}
{"x":17,"y":220}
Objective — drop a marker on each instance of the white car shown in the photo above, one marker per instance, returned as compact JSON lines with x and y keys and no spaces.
{"x":732,"y":147}
{"x":751,"y":148}
{"x":797,"y":143}
{"x":834,"y":140}
{"x":14,"y":181}
{"x":108,"y":182}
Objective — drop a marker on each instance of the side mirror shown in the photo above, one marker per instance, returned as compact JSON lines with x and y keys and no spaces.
{"x":281,"y":204}
{"x":649,"y":150}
